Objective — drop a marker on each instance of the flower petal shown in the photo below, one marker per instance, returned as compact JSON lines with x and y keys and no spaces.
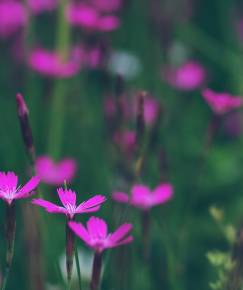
{"x":8,"y":180}
{"x":120,"y":197}
{"x":97,"y":228}
{"x":80,"y":231}
{"x":162,"y":193}
{"x":27,"y":189}
{"x":67,"y":197}
{"x":127,"y":240}
{"x":91,"y":204}
{"x":120,"y":233}
{"x":49,"y":206}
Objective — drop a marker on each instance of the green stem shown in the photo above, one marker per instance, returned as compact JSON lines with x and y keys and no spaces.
{"x":10,"y":238}
{"x":78,"y":268}
{"x":57,"y":112}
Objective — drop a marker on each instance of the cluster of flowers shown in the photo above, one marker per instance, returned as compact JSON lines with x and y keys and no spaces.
{"x":92,"y":16}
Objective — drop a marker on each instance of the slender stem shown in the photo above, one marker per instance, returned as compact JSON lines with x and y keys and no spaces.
{"x":10,"y":238}
{"x":78,"y":268}
{"x":57,"y":112}
{"x":70,"y":238}
{"x":97,"y":265}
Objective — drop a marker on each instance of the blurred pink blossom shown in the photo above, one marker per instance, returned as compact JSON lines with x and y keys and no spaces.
{"x":189,"y":76}
{"x":9,"y":189}
{"x":151,"y":110}
{"x":221,"y":103}
{"x":55,"y":173}
{"x":95,"y":234}
{"x":143,"y":197}
{"x":13,"y":16}
{"x":50,"y":64}
{"x":126,"y":140}
{"x":90,"y":18}
{"x":68,"y":200}
{"x":39,"y":6}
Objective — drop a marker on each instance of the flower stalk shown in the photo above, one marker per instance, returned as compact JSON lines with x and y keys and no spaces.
{"x":96,"y":271}
{"x":70,"y":239}
{"x":59,"y":90}
{"x":10,"y":239}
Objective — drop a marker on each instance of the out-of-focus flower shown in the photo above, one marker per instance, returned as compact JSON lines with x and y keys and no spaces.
{"x":95,"y":234}
{"x":187,"y":77}
{"x":55,"y":173}
{"x":39,"y":6}
{"x":50,"y":63}
{"x":143,"y":197}
{"x":129,"y":108}
{"x":221,"y":103}
{"x":90,"y":18}
{"x":9,"y":189}
{"x":13,"y":16}
{"x":126,"y":140}
{"x":124,"y":63}
{"x":107,"y":6}
{"x":68,"y":200}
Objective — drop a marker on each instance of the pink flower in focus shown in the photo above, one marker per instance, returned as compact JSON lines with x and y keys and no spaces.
{"x":55,"y":173}
{"x":90,"y":18}
{"x":96,"y":237}
{"x":9,"y":189}
{"x":50,"y":64}
{"x":126,"y":140}
{"x":39,"y":6}
{"x":68,"y":200}
{"x":221,"y":103}
{"x":13,"y":16}
{"x":143,"y":197}
{"x":189,"y":76}
{"x":107,"y":6}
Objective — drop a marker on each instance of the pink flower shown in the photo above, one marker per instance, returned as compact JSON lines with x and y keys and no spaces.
{"x":55,"y":173}
{"x":189,"y":76}
{"x":107,"y":5}
{"x":126,"y":140}
{"x":50,"y":64}
{"x":68,"y":200}
{"x":96,"y":237}
{"x":221,"y":103}
{"x":9,"y":189}
{"x":39,"y":6}
{"x":13,"y":16}
{"x":90,"y":18}
{"x":143,"y":197}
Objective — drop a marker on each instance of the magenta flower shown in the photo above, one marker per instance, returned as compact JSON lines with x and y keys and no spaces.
{"x":143,"y":197}
{"x":9,"y":189}
{"x":90,"y":18}
{"x":39,"y":6}
{"x":13,"y":16}
{"x":187,"y":77}
{"x":96,"y":237}
{"x":107,"y":6}
{"x":221,"y":103}
{"x":68,"y":200}
{"x":126,"y":140}
{"x":55,"y":173}
{"x":50,"y":64}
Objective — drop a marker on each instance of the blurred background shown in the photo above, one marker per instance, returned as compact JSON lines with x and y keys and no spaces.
{"x":82,"y":66}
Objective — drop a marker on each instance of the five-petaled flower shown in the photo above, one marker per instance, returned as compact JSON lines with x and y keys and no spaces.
{"x":68,"y":200}
{"x":9,"y":189}
{"x":143,"y":197}
{"x":95,"y":234}
{"x":221,"y":103}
